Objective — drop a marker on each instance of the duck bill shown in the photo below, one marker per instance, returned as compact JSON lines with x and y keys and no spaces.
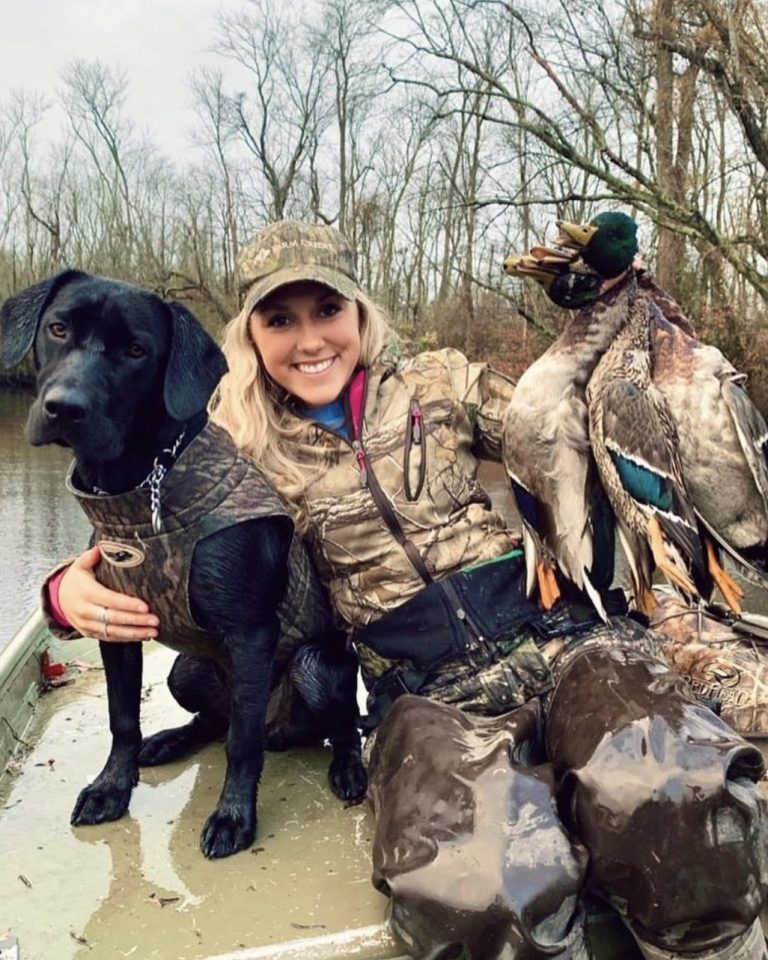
{"x":557,"y":256}
{"x":575,"y":234}
{"x":542,"y":263}
{"x":524,"y":265}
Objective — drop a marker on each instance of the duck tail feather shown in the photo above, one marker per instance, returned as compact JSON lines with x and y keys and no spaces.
{"x":689,"y":550}
{"x":636,"y":554}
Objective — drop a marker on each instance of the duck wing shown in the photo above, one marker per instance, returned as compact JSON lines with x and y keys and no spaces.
{"x":634,"y":442}
{"x":567,"y":519}
{"x":752,"y":555}
{"x":723,"y":440}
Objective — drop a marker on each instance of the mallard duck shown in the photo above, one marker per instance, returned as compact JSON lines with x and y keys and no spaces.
{"x":568,"y":282}
{"x":723,"y":443}
{"x":722,"y":436}
{"x":635,"y":444}
{"x":567,"y":523}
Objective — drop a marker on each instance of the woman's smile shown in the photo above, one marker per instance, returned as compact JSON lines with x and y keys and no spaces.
{"x":315,"y":366}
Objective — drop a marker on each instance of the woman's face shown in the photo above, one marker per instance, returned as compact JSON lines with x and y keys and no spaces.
{"x":308,"y":338}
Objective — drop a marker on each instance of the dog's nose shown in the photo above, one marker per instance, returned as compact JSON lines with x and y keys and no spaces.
{"x":65,"y":404}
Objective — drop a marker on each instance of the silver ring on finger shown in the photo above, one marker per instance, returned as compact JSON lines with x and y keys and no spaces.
{"x":105,"y":621}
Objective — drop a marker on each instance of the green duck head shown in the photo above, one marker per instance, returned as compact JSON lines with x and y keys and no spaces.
{"x":607,"y":244}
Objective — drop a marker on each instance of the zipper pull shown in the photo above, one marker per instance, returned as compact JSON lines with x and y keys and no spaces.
{"x":361,"y":462}
{"x":416,"y":425}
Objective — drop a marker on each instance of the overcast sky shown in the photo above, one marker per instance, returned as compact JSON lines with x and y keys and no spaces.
{"x":156,"y":42}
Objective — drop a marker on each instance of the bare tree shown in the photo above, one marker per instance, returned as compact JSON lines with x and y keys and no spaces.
{"x":282,"y":113}
{"x":586,"y":111}
{"x":94,"y":99}
{"x":219,"y":122}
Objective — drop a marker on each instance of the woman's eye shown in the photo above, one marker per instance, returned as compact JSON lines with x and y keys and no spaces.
{"x":329,"y":309}
{"x":278,"y":321}
{"x":57,"y":330}
{"x":136,"y":351}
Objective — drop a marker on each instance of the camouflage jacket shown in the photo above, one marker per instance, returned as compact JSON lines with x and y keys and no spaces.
{"x":210,"y":487}
{"x":399,"y":499}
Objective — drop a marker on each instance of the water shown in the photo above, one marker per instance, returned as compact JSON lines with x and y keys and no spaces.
{"x":39,"y":521}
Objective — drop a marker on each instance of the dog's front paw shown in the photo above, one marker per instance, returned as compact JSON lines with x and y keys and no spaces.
{"x":101,"y":801}
{"x":226,"y":831}
{"x":348,"y":778}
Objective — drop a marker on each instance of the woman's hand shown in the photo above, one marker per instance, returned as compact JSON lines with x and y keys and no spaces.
{"x":96,"y":611}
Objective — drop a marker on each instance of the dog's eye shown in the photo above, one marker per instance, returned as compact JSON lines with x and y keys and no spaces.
{"x":136,"y":350}
{"x":57,"y":329}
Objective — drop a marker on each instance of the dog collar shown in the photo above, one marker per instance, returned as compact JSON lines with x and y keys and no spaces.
{"x":206,"y":468}
{"x":162,"y":464}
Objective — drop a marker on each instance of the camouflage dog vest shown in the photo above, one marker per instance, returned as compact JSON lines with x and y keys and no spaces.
{"x":211,"y":486}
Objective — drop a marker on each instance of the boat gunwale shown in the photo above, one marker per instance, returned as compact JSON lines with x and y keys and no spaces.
{"x":20,"y":685}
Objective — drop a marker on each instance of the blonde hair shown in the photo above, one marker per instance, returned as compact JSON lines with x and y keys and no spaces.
{"x":252,"y":408}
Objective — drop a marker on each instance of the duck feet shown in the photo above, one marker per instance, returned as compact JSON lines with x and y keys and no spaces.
{"x":677,"y":577}
{"x":549,"y":592}
{"x":730,"y":590}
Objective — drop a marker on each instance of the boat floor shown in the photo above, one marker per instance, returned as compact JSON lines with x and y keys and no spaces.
{"x":140,"y":887}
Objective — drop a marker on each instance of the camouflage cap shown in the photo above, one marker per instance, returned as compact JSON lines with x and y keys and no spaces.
{"x":288,"y":251}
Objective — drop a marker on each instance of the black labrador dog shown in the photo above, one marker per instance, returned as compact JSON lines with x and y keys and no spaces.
{"x":123,"y":379}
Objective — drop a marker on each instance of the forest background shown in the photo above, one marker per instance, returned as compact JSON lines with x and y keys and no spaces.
{"x":440,"y":137}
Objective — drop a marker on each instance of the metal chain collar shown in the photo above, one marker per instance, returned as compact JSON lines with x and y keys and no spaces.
{"x":154,"y":478}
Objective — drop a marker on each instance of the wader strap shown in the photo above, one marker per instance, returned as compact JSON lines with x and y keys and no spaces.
{"x":355,"y":406}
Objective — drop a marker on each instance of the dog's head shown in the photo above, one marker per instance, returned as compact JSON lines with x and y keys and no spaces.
{"x":110,"y":359}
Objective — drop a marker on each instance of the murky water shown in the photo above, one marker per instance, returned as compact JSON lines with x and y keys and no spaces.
{"x":39,"y":521}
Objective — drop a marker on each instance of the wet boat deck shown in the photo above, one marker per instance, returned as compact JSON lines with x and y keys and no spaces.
{"x":140,"y":887}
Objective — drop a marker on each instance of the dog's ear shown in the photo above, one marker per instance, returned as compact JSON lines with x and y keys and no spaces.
{"x":195,"y":366}
{"x":20,"y":315}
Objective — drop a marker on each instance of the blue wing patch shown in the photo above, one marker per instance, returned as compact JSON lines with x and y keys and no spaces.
{"x":642,"y":483}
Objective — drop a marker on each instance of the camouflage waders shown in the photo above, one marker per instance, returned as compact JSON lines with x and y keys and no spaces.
{"x":725,"y":662}
{"x":489,"y":829}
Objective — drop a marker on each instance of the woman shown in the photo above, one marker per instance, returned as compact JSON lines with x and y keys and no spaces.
{"x":541,"y":749}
